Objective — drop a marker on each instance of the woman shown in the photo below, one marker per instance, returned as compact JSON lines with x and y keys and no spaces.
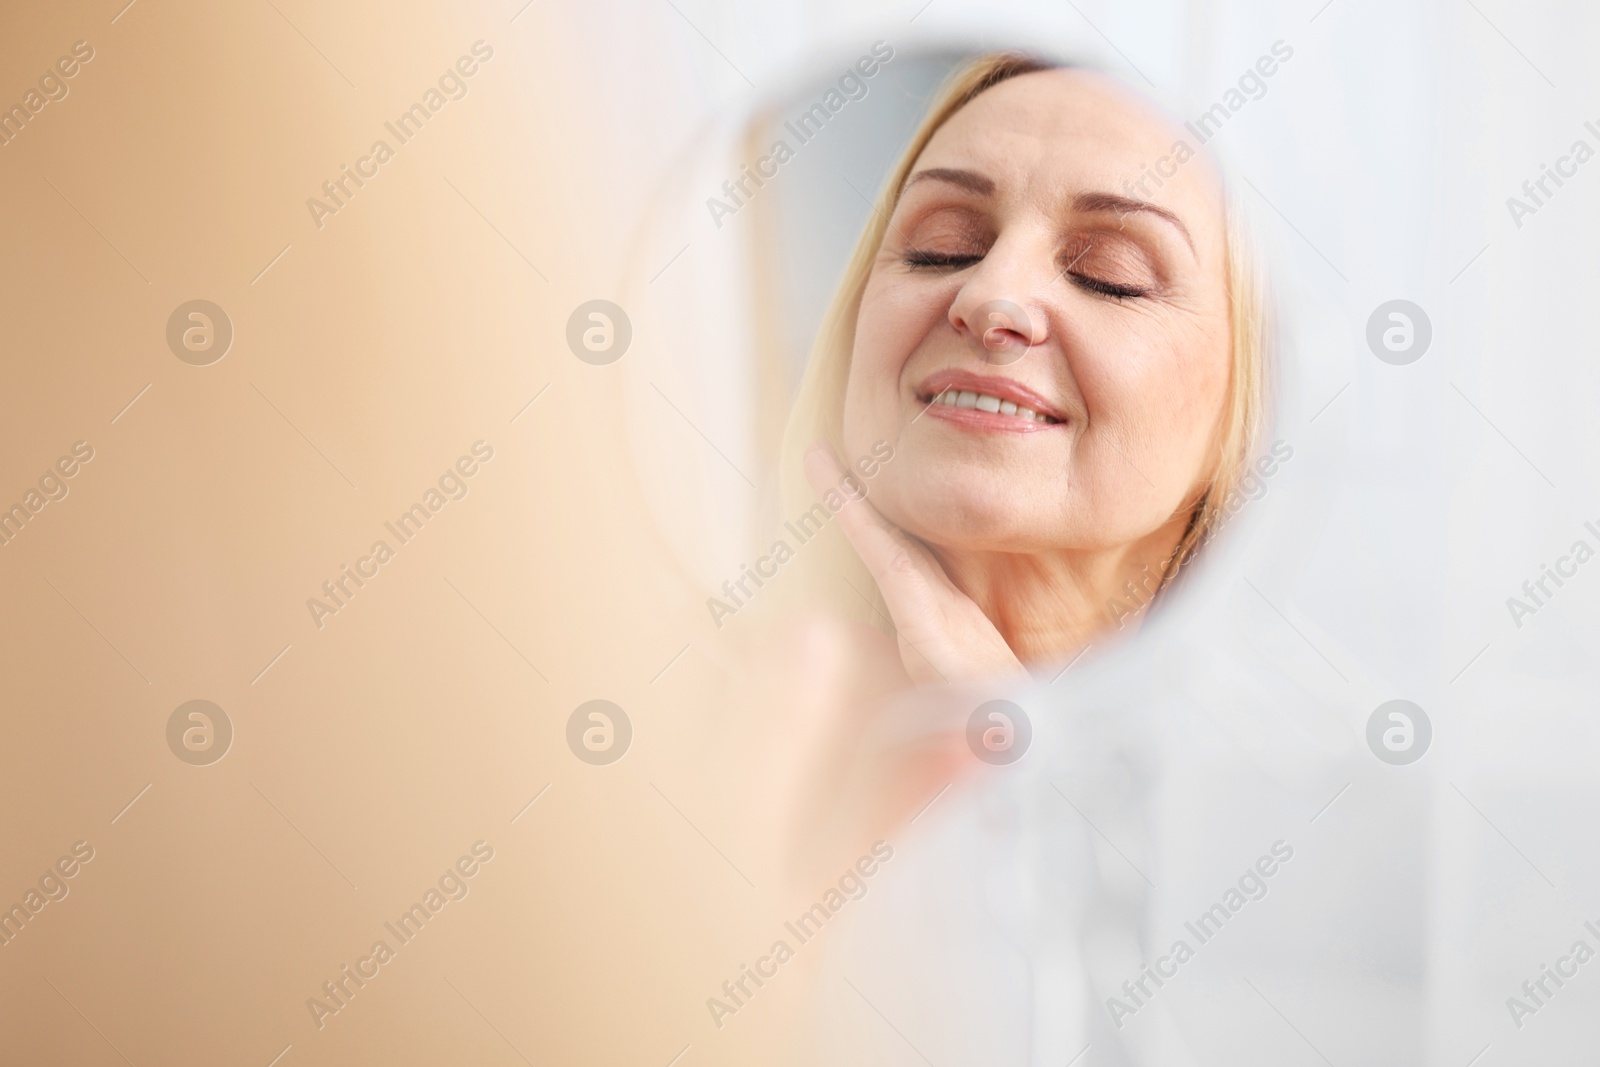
{"x":1044,"y":372}
{"x":1040,"y":378}
{"x":1062,"y":347}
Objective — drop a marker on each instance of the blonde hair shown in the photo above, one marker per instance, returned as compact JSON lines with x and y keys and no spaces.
{"x":818,"y":412}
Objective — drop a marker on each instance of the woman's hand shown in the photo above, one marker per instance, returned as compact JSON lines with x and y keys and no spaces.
{"x":831,"y":751}
{"x":943,"y":636}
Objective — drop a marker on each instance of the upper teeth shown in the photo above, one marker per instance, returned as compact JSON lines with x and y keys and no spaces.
{"x":966,"y":398}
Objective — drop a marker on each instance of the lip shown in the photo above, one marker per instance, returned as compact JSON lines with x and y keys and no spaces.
{"x":1004,"y":388}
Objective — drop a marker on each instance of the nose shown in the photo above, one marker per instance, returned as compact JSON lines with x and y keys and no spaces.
{"x":1000,"y":309}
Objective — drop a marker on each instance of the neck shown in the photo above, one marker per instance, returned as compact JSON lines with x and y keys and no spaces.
{"x":1049,"y":606}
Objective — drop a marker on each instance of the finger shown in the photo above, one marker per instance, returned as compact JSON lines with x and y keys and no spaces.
{"x":893,"y":558}
{"x":922,"y":600}
{"x":913,"y":585}
{"x":823,"y":469}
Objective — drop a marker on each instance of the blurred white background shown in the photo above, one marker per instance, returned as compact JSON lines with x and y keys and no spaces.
{"x":1376,"y":166}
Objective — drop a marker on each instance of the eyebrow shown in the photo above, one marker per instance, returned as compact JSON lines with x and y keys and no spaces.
{"x":969,"y":180}
{"x":1125,"y":205}
{"x":974,"y":182}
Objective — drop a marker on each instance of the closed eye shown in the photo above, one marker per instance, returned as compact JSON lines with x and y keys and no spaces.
{"x":940,"y":260}
{"x":1098,"y":256}
{"x":1117,"y":292}
{"x":952,"y":261}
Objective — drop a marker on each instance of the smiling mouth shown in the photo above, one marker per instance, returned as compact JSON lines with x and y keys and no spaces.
{"x":987,"y":403}
{"x":970,"y":400}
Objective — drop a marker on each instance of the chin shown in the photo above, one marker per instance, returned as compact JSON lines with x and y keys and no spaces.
{"x":962,"y":511}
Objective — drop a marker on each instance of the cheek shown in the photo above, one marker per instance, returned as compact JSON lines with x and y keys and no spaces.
{"x":1168,"y":390}
{"x":1155,"y":402}
{"x":896,"y":316}
{"x":1201,"y":378}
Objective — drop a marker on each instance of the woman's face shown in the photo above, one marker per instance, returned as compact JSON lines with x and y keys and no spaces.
{"x":1026,"y":268}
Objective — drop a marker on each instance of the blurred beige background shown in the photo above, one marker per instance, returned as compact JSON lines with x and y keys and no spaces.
{"x":377,"y":758}
{"x":370,"y":753}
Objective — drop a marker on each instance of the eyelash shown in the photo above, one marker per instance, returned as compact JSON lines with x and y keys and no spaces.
{"x":916,"y":259}
{"x":1116,"y":292}
{"x":937,"y":260}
